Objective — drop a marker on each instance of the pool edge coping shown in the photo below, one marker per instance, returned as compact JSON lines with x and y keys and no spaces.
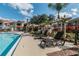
{"x":14,"y":47}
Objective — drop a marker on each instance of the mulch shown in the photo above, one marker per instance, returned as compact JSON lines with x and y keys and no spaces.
{"x":66,"y":52}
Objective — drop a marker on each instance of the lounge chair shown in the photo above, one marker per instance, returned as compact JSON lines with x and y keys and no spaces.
{"x":57,"y":40}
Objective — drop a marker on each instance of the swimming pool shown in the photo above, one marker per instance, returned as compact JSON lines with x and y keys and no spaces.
{"x":8,"y":42}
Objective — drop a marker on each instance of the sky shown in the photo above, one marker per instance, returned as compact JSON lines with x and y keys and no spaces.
{"x":22,"y":11}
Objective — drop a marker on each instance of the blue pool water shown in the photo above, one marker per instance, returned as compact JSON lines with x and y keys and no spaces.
{"x":7,"y":40}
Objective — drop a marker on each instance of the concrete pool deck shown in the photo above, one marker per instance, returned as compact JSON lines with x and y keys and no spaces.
{"x":29,"y":47}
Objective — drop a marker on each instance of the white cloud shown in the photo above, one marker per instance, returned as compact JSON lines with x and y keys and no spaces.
{"x":65,"y":13}
{"x":2,"y":18}
{"x":24,"y":8}
{"x":74,"y":13}
{"x":74,"y":10}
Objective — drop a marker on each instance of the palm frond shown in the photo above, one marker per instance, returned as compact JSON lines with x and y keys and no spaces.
{"x":57,"y":6}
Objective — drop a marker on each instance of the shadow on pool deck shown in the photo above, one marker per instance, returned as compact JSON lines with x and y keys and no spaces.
{"x":29,"y":47}
{"x":66,"y":52}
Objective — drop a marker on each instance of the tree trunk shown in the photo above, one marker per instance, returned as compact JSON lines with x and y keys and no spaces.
{"x":58,"y":18}
{"x":64,"y":29}
{"x":76,"y":34}
{"x":58,"y":15}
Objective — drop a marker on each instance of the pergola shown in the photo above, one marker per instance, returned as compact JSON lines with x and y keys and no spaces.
{"x":76,"y":24}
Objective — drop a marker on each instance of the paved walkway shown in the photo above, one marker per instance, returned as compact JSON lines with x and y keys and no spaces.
{"x":29,"y":47}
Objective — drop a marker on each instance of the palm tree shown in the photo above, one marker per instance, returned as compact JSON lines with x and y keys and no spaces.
{"x":58,"y":7}
{"x":64,"y":21}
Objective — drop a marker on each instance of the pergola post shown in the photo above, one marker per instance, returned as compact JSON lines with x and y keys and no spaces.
{"x":64,"y":25}
{"x":76,"y":34}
